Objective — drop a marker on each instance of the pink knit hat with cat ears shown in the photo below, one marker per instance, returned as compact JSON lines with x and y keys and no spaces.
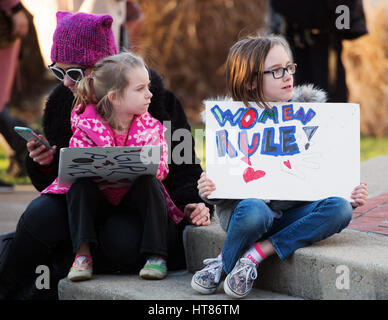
{"x":82,"y":38}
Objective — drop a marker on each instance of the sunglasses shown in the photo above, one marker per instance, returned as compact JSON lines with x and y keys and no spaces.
{"x":74,"y":74}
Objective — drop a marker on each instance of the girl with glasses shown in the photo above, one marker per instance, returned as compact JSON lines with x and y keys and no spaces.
{"x":261,"y":69}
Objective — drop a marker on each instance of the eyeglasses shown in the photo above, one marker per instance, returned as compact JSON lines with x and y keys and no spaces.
{"x":279,"y":72}
{"x":75,"y":74}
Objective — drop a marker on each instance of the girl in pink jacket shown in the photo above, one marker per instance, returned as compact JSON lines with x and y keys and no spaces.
{"x":111,"y":110}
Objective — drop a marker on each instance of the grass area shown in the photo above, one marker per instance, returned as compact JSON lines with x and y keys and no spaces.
{"x":373,"y":147}
{"x":370,"y":147}
{"x":3,"y":168}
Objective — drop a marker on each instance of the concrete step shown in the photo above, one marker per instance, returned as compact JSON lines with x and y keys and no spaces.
{"x":348,"y":265}
{"x":131,"y":287}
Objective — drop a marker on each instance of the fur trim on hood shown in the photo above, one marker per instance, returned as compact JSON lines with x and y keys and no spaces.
{"x":308,"y":93}
{"x":303,"y":93}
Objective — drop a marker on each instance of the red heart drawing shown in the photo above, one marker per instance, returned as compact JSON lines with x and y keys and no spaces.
{"x":287,"y":164}
{"x":246,"y":160}
{"x":250,"y":174}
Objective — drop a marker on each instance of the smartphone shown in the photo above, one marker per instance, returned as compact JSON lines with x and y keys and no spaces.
{"x":29,"y":135}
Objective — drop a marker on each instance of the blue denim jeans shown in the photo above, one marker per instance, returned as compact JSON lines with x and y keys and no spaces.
{"x":252,"y":220}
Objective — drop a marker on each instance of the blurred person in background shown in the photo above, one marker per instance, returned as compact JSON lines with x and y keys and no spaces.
{"x":13,"y":26}
{"x":133,"y":24}
{"x":315,"y":30}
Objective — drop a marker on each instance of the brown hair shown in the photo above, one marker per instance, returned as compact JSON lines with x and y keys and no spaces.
{"x":245,"y":64}
{"x":109,"y":74}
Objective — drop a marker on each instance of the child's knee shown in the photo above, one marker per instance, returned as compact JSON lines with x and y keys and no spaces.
{"x":253,"y":213}
{"x":342,"y":211}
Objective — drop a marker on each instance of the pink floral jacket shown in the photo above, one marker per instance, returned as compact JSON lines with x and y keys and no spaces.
{"x":89,"y":130}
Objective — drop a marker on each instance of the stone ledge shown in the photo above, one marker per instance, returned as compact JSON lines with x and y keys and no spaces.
{"x":131,"y":287}
{"x":311,"y":272}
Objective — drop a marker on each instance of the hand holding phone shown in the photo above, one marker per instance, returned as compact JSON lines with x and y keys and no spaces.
{"x":29,"y":135}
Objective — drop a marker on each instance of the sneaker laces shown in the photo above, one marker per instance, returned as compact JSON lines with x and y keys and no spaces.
{"x":212,"y":266}
{"x":83,"y":261}
{"x":247,"y":266}
{"x":155,"y":260}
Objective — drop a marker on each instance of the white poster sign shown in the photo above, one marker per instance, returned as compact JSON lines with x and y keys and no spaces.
{"x":108,"y":166}
{"x":295,"y":151}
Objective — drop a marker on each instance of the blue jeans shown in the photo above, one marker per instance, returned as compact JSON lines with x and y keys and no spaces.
{"x":252,"y":220}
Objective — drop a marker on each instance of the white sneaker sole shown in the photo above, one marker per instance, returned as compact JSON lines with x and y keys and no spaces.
{"x":79,"y":275}
{"x":232,"y":294}
{"x":152,"y":274}
{"x":201,"y":289}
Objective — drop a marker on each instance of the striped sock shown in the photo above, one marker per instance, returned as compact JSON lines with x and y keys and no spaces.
{"x":255,"y":254}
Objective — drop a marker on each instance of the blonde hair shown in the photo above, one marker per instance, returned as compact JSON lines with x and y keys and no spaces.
{"x":245,"y":64}
{"x":109,"y":74}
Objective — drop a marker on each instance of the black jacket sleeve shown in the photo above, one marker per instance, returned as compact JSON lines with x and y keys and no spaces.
{"x":57,"y":130}
{"x":185,"y":169}
{"x":181,"y":182}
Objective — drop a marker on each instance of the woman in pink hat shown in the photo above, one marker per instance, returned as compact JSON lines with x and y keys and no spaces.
{"x":42,"y":236}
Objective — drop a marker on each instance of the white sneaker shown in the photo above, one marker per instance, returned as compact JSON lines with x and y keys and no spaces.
{"x":82,"y":269}
{"x":154,"y":269}
{"x":206,"y":281}
{"x":239,"y":281}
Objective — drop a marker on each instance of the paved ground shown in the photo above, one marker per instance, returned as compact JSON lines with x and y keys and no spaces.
{"x":12,"y":206}
{"x":373,"y":217}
